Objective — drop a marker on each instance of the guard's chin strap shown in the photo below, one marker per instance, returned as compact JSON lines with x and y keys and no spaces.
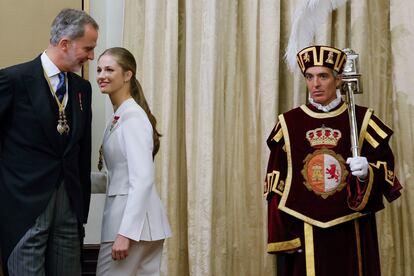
{"x":330,"y":106}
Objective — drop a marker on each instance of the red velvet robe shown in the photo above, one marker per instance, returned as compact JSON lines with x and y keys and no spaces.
{"x":320,"y":216}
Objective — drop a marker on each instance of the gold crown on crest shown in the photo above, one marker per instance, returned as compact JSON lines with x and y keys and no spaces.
{"x":323,"y":137}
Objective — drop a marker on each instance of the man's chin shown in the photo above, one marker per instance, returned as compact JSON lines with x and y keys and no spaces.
{"x":76,"y":69}
{"x":317,"y":99}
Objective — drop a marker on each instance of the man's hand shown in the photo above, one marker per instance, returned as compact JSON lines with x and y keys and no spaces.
{"x":120,"y":248}
{"x":358,"y":166}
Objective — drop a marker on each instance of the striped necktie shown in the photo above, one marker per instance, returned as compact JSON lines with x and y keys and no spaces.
{"x":61,"y":88}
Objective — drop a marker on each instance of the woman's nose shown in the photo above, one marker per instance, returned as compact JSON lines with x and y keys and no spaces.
{"x":99,"y":76}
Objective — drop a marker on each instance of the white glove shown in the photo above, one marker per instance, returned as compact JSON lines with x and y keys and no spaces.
{"x":358,"y":166}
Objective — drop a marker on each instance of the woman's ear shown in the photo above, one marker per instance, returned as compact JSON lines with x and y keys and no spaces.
{"x":127,"y":76}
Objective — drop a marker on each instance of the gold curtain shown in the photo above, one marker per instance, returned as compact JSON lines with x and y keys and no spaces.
{"x":213,"y":74}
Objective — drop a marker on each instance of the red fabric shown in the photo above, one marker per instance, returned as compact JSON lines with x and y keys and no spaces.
{"x":335,"y":252}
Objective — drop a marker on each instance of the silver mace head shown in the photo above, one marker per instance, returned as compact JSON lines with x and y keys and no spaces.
{"x":351,"y":72}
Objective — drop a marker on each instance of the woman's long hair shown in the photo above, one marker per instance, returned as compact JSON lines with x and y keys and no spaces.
{"x":127,"y":62}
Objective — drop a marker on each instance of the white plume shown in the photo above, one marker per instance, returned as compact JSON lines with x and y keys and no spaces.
{"x":308,"y":16}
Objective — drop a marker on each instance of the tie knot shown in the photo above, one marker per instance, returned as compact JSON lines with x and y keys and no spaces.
{"x":61,"y":76}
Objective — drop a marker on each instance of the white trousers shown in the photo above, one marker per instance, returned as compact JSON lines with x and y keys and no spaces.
{"x":144,"y":259}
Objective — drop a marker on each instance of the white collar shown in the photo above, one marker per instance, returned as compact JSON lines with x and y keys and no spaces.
{"x":52,"y":72}
{"x":50,"y":68}
{"x":125,"y":105}
{"x":330,"y":106}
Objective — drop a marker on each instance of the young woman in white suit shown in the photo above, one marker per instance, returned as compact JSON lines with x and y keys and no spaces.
{"x":134,"y":222}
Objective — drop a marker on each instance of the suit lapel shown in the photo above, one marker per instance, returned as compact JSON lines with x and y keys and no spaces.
{"x":119,"y":115}
{"x":104,"y":140}
{"x":106,"y":133}
{"x":75,"y":97}
{"x":36,"y":85}
{"x":112,"y":126}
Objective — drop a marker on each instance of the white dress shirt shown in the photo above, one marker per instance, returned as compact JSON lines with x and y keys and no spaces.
{"x":52,"y":72}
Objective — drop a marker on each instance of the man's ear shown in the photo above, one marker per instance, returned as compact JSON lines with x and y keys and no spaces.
{"x":338,"y":80}
{"x":63,"y":44}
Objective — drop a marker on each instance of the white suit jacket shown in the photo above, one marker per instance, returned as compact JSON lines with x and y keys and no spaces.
{"x":132,"y":207}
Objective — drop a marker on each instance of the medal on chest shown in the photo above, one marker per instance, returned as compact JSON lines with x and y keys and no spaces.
{"x":62,"y":127}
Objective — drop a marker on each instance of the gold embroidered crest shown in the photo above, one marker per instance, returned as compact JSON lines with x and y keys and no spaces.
{"x":271,"y":182}
{"x":390,"y":176}
{"x":330,"y":58}
{"x":281,"y":186}
{"x":324,"y":172}
{"x":306,"y":57}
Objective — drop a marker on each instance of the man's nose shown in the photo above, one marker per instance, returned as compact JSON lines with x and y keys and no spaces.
{"x":91,"y":55}
{"x":316,"y":82}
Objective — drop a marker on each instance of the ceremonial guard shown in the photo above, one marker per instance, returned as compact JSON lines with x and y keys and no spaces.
{"x":321,"y":199}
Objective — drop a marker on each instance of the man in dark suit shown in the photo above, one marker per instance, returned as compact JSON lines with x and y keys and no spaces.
{"x":45,"y":147}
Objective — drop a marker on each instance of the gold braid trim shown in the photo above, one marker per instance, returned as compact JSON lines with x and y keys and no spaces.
{"x":377,"y":129}
{"x":271,"y":183}
{"x":358,"y":245}
{"x":309,"y":250}
{"x":371,"y":140}
{"x":388,"y":174}
{"x":367,"y":192}
{"x":278,"y":135}
{"x":283,"y":246}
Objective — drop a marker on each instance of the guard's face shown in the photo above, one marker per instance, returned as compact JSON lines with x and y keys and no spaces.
{"x":81,"y":49}
{"x":322,"y":84}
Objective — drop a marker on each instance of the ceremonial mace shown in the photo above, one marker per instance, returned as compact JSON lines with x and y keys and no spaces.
{"x":352,"y":85}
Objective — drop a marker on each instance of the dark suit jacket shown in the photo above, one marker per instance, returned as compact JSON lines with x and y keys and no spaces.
{"x":32,"y":162}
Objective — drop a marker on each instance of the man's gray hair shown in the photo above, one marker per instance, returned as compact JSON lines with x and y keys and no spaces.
{"x":70,"y":23}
